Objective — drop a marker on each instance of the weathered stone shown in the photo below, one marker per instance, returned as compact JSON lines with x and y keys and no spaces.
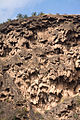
{"x":77,"y":64}
{"x":40,"y":63}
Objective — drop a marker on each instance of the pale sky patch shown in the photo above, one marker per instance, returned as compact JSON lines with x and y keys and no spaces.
{"x":9,"y":7}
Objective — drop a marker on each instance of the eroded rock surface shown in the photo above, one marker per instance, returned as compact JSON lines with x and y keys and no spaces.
{"x":40,"y":60}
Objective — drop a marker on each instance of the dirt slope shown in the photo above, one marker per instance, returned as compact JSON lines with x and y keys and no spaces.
{"x":40,"y":68}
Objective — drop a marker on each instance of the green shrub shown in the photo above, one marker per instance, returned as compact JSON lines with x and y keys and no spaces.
{"x":25,"y":16}
{"x":41,"y":13}
{"x":19,"y":16}
{"x":34,"y":14}
{"x":8,"y":20}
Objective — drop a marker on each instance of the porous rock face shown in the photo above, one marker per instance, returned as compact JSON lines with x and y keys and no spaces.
{"x":40,"y":59}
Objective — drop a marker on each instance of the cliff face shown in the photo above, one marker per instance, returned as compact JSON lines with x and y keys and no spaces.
{"x":40,"y":66}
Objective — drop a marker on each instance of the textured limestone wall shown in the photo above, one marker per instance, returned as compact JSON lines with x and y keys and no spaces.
{"x":40,"y":59}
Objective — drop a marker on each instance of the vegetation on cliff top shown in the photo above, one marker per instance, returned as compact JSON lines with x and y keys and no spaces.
{"x":21,"y":16}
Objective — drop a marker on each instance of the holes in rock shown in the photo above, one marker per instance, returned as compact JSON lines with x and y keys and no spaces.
{"x":51,"y":80}
{"x":16,"y":118}
{"x":22,"y":33}
{"x":71,"y":84}
{"x":8,"y":30}
{"x":34,"y":43}
{"x":5,"y":51}
{"x":52,"y":19}
{"x":33,"y":74}
{"x":13,"y":43}
{"x":51,"y":94}
{"x":26,"y":44}
{"x":62,"y":113}
{"x":46,"y":61}
{"x":24,"y":78}
{"x":28,"y":37}
{"x":28,"y":56}
{"x":5,"y":68}
{"x":78,"y":68}
{"x":62,"y":79}
{"x":75,"y":44}
{"x":58,"y":51}
{"x":19,"y":64}
{"x":28,"y":84}
{"x":44,"y":87}
{"x":42,"y":55}
{"x":19,"y":103}
{"x":70,"y":107}
{"x":7,"y":89}
{"x":1,"y":45}
{"x":18,"y":30}
{"x":33,"y":96}
{"x":43,"y":98}
{"x":3,"y":95}
{"x":60,"y":95}
{"x":1,"y":83}
{"x":25,"y":117}
{"x":61,"y":20}
{"x":78,"y":37}
{"x":51,"y":97}
{"x":66,"y":16}
{"x":23,"y":25}
{"x":19,"y":84}
{"x":12,"y":96}
{"x":44,"y":41}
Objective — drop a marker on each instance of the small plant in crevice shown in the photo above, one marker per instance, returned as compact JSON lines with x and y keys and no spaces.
{"x":7,"y":100}
{"x":46,"y":111}
{"x":75,"y":115}
{"x":38,"y":116}
{"x":78,"y":100}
